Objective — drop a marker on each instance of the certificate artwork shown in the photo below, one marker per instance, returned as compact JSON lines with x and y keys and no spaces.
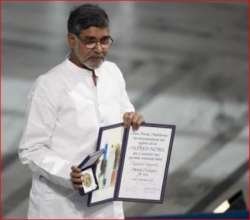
{"x":107,"y":167}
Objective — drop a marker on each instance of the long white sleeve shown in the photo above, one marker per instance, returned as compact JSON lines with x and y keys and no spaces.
{"x":35,"y":147}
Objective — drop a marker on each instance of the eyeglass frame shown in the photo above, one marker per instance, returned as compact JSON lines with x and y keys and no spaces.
{"x":83,"y":41}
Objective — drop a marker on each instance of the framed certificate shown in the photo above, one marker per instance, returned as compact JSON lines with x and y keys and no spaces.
{"x":134,"y":164}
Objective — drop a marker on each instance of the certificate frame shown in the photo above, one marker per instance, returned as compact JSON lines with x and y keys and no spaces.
{"x":128,"y":135}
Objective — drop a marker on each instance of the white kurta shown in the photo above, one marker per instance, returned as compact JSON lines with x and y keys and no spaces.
{"x":64,"y":114}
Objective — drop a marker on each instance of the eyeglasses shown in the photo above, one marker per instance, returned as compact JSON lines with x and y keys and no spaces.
{"x":91,"y":42}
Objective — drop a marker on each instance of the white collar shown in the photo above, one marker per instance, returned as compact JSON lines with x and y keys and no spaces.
{"x":80,"y":70}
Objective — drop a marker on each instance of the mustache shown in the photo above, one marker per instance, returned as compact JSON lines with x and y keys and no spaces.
{"x":97,"y":56}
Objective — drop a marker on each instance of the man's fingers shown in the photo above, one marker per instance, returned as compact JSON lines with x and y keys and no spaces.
{"x":137,"y":124}
{"x":75,"y":175}
{"x":77,"y":187}
{"x":127,"y":119}
{"x":75,"y":169}
{"x":76,"y":180}
{"x":132,"y":118}
{"x":77,"y":183}
{"x":137,"y":121}
{"x":134,"y":122}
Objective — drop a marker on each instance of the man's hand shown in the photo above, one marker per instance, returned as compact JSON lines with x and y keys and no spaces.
{"x":76,"y":177}
{"x":132,"y":118}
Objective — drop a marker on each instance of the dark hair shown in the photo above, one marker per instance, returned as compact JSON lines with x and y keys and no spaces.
{"x":85,"y":16}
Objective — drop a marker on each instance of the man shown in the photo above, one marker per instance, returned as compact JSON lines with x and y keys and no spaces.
{"x":67,"y":106}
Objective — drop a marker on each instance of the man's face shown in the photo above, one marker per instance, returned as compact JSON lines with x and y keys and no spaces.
{"x":83,"y":54}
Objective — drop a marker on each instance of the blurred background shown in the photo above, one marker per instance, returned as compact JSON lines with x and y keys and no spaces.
{"x":184,"y":64}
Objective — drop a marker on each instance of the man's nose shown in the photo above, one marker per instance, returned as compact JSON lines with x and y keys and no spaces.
{"x":98,"y":47}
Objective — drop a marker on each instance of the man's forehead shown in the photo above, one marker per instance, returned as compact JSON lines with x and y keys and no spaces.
{"x":95,"y":31}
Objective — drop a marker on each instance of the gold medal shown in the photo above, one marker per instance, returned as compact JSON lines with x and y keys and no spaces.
{"x":86,"y":179}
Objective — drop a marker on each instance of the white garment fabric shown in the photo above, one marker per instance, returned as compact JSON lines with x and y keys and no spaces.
{"x":65,"y":112}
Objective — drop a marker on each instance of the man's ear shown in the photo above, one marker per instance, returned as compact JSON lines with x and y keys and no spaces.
{"x":71,"y":40}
